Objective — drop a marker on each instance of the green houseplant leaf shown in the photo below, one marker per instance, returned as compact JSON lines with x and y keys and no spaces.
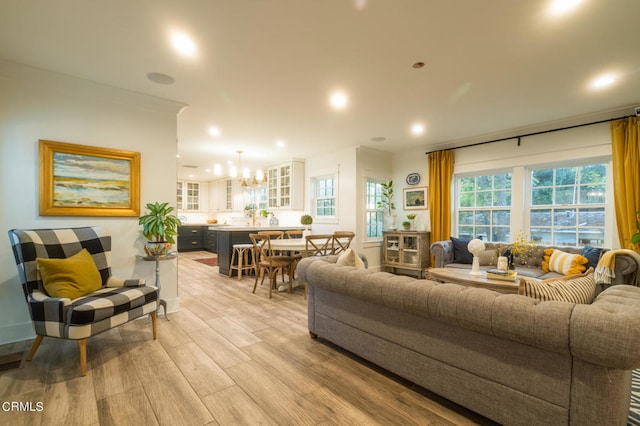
{"x":386,"y":203}
{"x":159,"y":224}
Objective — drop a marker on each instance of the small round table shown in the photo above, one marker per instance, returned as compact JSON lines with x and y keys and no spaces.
{"x":157,"y":259}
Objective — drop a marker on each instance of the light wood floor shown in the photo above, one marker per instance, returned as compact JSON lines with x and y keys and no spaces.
{"x":227,"y":357}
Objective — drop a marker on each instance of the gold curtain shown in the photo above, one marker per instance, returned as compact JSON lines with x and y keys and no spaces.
{"x":625,"y":141}
{"x":440,"y":175}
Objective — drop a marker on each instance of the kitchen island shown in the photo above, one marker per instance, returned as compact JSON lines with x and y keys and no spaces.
{"x":227,"y":236}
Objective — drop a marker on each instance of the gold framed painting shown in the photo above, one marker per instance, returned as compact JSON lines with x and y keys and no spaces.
{"x":415,"y":198}
{"x":82,"y":180}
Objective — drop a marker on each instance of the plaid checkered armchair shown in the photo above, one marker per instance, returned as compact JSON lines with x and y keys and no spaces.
{"x":117,"y":302}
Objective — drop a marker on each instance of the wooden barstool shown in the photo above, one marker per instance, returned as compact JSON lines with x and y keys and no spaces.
{"x":242,"y":259}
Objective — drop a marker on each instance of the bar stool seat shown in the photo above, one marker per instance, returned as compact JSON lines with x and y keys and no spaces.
{"x":242,"y":260}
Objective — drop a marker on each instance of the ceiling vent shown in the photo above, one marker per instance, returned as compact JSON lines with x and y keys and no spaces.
{"x":190,"y":166}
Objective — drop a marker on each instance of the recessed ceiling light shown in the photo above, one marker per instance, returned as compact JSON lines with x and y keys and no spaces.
{"x":280,"y":143}
{"x":177,"y":155}
{"x":339,"y":100}
{"x":603,"y":81}
{"x":559,"y":7}
{"x":417,"y":129}
{"x":160,"y":78}
{"x":217,"y":169}
{"x":183,"y":44}
{"x":214,"y":131}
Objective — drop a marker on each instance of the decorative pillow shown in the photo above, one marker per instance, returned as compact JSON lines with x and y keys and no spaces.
{"x":592,"y":254}
{"x":563,"y":263}
{"x":573,"y":288}
{"x":350,"y":258}
{"x":73,"y":277}
{"x":461,"y":253}
{"x":488,"y":257}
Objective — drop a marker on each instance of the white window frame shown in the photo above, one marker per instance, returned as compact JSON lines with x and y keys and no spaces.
{"x":457,"y":184}
{"x":605,"y":242}
{"x":371,"y":210}
{"x":314,"y":190}
{"x":521,"y":194}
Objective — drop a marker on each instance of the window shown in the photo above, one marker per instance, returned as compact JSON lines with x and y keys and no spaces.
{"x":324,"y":197}
{"x":258,"y":196}
{"x":375,"y":217}
{"x":188,"y":196}
{"x":484,"y":207}
{"x":567,"y":205}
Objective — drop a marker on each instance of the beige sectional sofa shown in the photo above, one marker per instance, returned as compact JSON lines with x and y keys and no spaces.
{"x":511,"y":358}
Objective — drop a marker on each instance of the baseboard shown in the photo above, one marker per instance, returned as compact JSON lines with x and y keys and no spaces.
{"x":173,"y":305}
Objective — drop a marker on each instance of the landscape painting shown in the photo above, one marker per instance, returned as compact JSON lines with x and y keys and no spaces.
{"x":80,"y":180}
{"x":415,"y":198}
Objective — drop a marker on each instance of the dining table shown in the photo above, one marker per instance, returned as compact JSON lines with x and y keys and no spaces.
{"x":290,"y":245}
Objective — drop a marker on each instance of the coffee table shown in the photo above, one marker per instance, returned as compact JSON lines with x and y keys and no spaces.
{"x":462,"y":277}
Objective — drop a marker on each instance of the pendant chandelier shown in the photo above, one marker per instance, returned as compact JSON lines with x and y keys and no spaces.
{"x":245,"y":178}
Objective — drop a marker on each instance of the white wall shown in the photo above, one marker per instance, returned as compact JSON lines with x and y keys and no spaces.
{"x":36,"y":104}
{"x":404,"y":163}
{"x":343,"y":165}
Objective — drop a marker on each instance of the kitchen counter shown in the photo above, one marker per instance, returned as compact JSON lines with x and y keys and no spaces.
{"x":228,"y":235}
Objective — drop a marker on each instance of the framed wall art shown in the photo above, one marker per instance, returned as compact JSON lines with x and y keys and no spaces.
{"x":415,"y":198}
{"x":81,"y":180}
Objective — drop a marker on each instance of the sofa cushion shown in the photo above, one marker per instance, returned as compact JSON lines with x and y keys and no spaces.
{"x":563,"y":263}
{"x":572,"y":288}
{"x":592,"y":254}
{"x":461,"y":253}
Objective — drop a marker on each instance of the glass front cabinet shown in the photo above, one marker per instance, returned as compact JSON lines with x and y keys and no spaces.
{"x":406,"y":250}
{"x":286,"y":186}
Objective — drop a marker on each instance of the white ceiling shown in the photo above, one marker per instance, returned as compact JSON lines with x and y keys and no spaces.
{"x":264,"y":69}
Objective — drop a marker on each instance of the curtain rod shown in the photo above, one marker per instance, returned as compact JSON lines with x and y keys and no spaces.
{"x":531,"y":134}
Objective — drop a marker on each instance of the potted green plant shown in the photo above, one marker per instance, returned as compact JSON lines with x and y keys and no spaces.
{"x":159,"y":227}
{"x":406,"y":225}
{"x":306,"y":220}
{"x":411,"y":217}
{"x":387,"y":206}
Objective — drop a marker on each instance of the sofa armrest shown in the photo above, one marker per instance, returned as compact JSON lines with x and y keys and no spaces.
{"x":626,"y":269}
{"x":118,"y":282}
{"x":443,"y":253}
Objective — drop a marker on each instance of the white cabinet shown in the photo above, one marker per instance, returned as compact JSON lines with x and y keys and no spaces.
{"x":286,"y":186}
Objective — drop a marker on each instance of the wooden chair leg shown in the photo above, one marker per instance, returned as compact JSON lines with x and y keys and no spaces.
{"x":34,"y":347}
{"x":154,"y":325}
{"x":82,"y":345}
{"x":255,"y":284}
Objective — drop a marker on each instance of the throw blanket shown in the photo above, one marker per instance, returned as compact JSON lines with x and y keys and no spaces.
{"x":605,"y":272}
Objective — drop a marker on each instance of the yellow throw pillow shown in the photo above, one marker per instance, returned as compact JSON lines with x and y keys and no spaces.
{"x":563,"y":263}
{"x":573,"y":288}
{"x":73,"y":277}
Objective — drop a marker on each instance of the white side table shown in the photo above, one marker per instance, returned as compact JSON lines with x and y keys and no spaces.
{"x":157,"y":259}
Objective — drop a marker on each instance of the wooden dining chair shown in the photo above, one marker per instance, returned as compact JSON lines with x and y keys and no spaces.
{"x":294,"y":233}
{"x":342,"y":241}
{"x":319,"y":244}
{"x":269,"y":263}
{"x":274,"y":235}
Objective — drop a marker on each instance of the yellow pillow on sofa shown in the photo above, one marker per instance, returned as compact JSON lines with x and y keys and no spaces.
{"x":72,"y":277}
{"x":563,"y":263}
